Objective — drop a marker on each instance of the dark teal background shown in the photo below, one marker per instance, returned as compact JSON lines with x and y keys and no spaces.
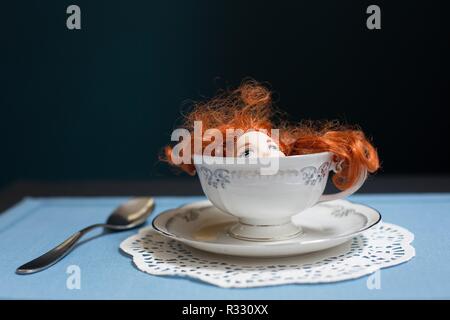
{"x":99,"y":103}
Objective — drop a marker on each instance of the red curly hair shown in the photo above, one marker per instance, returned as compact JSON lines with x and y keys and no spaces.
{"x":249,"y":107}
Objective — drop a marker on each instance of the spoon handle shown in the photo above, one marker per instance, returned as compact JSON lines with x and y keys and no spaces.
{"x":54,"y":255}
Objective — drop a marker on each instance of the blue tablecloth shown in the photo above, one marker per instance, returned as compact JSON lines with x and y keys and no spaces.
{"x":37,"y":224}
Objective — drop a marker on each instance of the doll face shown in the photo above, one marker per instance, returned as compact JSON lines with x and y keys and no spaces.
{"x":255,"y":144}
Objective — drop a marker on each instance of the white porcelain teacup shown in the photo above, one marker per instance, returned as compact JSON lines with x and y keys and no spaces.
{"x":265,"y":203}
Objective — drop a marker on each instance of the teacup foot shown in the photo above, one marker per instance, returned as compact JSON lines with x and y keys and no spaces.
{"x":244,"y":230}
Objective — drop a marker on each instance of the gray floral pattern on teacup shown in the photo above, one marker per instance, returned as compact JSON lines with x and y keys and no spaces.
{"x":216,"y":178}
{"x":220,"y":177}
{"x":312,"y":175}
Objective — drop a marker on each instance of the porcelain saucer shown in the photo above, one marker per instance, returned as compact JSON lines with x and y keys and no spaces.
{"x":326,"y":225}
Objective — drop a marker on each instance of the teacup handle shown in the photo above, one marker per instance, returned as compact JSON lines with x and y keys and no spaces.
{"x":345,"y":193}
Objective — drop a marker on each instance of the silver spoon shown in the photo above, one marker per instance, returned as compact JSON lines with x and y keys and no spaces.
{"x":129,"y":215}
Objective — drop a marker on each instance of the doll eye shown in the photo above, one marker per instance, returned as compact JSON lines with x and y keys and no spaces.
{"x":273,"y":147}
{"x":247,"y":153}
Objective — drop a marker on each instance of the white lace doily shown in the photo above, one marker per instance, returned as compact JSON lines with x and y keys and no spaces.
{"x":383,"y":246}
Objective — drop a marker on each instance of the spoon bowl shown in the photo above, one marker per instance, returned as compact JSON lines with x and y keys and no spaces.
{"x":130,"y":214}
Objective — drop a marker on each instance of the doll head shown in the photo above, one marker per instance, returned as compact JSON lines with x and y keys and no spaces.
{"x":248,"y":110}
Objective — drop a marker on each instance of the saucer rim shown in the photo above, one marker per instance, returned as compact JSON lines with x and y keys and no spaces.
{"x":268,"y":243}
